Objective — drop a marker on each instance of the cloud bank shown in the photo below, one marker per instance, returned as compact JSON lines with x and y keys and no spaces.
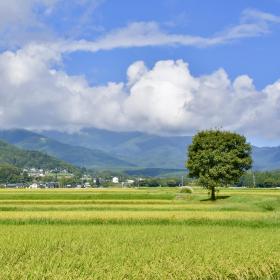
{"x":166,"y":99}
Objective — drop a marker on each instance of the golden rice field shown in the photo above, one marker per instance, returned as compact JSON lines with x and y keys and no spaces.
{"x":147,"y":233}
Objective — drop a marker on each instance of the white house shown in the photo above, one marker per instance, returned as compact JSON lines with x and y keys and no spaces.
{"x":33,"y":186}
{"x":115,"y":180}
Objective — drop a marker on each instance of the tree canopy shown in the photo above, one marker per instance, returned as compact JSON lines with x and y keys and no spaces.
{"x":218,"y":158}
{"x":12,"y":174}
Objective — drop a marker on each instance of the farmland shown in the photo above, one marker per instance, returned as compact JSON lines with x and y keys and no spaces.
{"x":147,"y":233}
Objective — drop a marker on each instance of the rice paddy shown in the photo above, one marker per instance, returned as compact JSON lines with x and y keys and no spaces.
{"x":146,"y":233}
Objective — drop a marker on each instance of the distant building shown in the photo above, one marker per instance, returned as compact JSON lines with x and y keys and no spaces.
{"x":14,"y":185}
{"x":115,"y":180}
{"x":86,"y":177}
{"x":33,"y":172}
{"x":52,"y":185}
{"x":33,"y":186}
{"x":129,"y":181}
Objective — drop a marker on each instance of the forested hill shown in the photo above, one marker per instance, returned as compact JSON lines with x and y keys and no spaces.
{"x":74,"y":154}
{"x":28,"y":159}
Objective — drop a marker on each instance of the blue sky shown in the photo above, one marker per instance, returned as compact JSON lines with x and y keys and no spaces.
{"x":256,"y":57}
{"x":169,"y":67}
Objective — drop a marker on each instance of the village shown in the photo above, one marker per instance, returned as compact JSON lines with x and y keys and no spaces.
{"x":46,"y":179}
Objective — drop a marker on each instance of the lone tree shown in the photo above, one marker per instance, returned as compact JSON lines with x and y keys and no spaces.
{"x":218,"y":158}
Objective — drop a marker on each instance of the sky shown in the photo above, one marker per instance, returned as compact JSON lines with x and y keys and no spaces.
{"x":166,"y":67}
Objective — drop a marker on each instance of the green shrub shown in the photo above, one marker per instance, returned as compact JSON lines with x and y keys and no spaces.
{"x":186,"y":190}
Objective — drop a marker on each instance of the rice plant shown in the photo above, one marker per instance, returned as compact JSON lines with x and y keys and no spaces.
{"x":139,"y":234}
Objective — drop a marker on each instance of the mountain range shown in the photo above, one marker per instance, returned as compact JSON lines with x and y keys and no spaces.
{"x":102,"y":149}
{"x":143,"y":150}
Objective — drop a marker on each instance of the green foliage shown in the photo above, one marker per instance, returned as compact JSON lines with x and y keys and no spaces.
{"x":69,"y":181}
{"x":218,"y":158}
{"x":186,"y":190}
{"x":155,"y":172}
{"x":48,"y":178}
{"x":159,"y":182}
{"x":266,"y":179}
{"x":10,"y":173}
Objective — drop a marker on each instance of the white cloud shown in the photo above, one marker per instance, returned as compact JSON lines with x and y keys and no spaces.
{"x":166,"y":99}
{"x":141,"y":34}
{"x":22,"y":13}
{"x":16,"y":16}
{"x":21,"y":23}
{"x":252,"y":15}
{"x":29,"y":21}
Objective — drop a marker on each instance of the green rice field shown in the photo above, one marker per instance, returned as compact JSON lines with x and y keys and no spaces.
{"x":146,"y":233}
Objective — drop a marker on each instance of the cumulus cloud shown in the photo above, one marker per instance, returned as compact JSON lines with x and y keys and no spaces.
{"x":166,"y":99}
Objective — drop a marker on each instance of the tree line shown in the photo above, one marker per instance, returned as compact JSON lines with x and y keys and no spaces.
{"x":260,"y":179}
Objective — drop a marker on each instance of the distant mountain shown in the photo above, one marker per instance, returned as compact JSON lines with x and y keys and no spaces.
{"x":266,"y":158}
{"x":152,"y":151}
{"x":76,"y":155}
{"x":104,"y":149}
{"x":28,"y":159}
{"x":142,"y":149}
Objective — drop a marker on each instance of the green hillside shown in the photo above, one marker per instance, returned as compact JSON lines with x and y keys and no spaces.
{"x":74,"y":154}
{"x":28,"y":159}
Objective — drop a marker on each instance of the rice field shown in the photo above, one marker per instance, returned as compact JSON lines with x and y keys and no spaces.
{"x":146,"y":233}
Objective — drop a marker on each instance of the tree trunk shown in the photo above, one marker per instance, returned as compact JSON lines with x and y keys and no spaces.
{"x":213,"y":194}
